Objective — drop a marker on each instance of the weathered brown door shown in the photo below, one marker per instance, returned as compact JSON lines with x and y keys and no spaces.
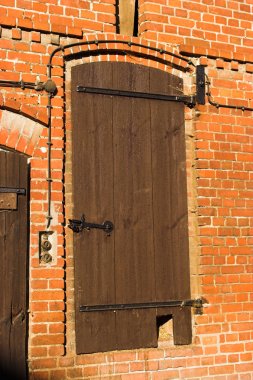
{"x":13,"y":268}
{"x":129,"y":168}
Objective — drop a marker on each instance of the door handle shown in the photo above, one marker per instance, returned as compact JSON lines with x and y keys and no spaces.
{"x":78,"y":225}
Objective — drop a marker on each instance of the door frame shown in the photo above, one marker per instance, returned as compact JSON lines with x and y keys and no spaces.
{"x":183,"y":318}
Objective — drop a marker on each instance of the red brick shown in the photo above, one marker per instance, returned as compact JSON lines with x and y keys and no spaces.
{"x":16,"y":34}
{"x":39,"y":306}
{"x":57,"y":328}
{"x":51,"y":316}
{"x":45,"y":340}
{"x":36,"y":36}
{"x":58,"y":374}
{"x":48,"y":295}
{"x":48,"y":273}
{"x":220,"y":220}
{"x":43,"y":363}
{"x":75,"y":372}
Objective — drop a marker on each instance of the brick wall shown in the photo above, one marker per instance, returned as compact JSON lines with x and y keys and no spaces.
{"x":215,"y":33}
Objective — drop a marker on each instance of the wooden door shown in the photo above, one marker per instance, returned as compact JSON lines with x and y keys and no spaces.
{"x":129,"y":168}
{"x":13,"y":268}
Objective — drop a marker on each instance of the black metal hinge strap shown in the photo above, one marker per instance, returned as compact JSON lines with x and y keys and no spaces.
{"x":196,"y":303}
{"x":12,"y":190}
{"x":188,"y":100}
{"x":200,"y":84}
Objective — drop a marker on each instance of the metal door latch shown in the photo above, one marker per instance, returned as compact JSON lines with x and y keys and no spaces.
{"x":78,"y":225}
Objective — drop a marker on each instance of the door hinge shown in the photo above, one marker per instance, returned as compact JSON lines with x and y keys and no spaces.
{"x":197,"y":304}
{"x":187,"y":100}
{"x":19,"y":191}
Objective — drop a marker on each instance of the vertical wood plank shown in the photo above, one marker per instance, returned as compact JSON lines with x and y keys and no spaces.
{"x":13,"y":271}
{"x":134,"y":258}
{"x":182,"y":330}
{"x":5,"y":289}
{"x":161,"y":129}
{"x":180,"y":211}
{"x":170,"y":198}
{"x":20,"y":263}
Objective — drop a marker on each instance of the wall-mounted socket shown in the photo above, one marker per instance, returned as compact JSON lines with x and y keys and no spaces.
{"x":45,"y":246}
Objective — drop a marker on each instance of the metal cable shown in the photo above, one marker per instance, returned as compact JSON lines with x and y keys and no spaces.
{"x":220,"y":105}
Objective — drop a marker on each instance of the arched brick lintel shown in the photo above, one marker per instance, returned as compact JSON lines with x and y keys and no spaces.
{"x":129,"y":49}
{"x":21,"y":133}
{"x":29,"y":112}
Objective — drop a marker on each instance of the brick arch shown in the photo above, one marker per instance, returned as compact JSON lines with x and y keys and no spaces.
{"x":20,"y":132}
{"x":31,"y":112}
{"x":115,"y":47}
